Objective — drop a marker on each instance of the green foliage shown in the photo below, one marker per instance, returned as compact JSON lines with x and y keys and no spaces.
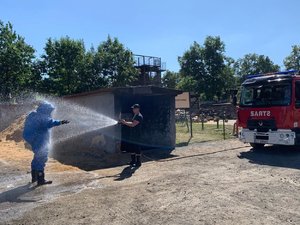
{"x":15,"y":62}
{"x":91,"y":77}
{"x":70,"y":69}
{"x":230,"y":81}
{"x":64,"y":61}
{"x":205,"y":69}
{"x":116,"y":63}
{"x":254,"y":64}
{"x":66,"y":67}
{"x":187,"y":83}
{"x":170,"y":79}
{"x":292,"y":62}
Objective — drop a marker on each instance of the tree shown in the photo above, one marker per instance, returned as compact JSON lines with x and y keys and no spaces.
{"x":187,"y":83}
{"x":292,"y":62}
{"x":205,"y":68}
{"x":63,"y":60}
{"x":36,"y":83}
{"x":254,"y":64}
{"x":115,"y":63}
{"x":192,"y":69}
{"x":15,"y":62}
{"x":170,"y":79}
{"x":91,"y":77}
{"x":68,"y":68}
{"x":228,"y":79}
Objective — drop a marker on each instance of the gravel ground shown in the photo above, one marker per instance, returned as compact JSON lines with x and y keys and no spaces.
{"x":222,"y":182}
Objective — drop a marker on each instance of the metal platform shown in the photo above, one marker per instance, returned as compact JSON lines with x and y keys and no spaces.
{"x":150,"y":68}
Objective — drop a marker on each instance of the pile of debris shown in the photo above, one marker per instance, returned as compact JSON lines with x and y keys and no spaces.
{"x":10,"y":112}
{"x":212,"y":111}
{"x":63,"y":153}
{"x":16,"y":152}
{"x":208,"y":112}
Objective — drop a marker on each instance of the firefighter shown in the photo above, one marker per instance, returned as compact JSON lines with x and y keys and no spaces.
{"x":37,"y":133}
{"x":135,"y":137}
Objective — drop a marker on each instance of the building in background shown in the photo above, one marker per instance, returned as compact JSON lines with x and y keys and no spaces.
{"x":159,"y":132}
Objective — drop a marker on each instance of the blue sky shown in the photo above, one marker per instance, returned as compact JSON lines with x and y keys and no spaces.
{"x":161,"y":28}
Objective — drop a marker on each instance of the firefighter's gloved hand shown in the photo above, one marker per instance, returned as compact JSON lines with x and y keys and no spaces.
{"x":65,"y":121}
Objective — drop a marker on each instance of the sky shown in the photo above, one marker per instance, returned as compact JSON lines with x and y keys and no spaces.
{"x":163,"y":28}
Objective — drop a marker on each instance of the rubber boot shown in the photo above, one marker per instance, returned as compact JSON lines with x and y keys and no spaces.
{"x":41,"y":179}
{"x":138,"y":161}
{"x":34,"y":175}
{"x":133,"y":160}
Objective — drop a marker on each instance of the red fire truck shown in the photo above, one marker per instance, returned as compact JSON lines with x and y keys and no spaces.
{"x":269,"y":109}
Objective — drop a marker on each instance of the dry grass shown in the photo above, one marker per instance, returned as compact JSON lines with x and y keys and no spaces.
{"x":209,"y":133}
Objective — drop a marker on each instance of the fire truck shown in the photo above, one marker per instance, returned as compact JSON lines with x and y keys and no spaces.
{"x":269,"y":109}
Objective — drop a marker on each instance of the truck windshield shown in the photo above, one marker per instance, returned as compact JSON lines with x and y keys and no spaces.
{"x":266,"y":95}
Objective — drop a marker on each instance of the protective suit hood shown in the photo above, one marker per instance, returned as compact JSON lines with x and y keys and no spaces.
{"x":45,"y":108}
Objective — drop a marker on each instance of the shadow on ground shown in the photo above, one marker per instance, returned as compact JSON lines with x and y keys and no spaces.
{"x":15,"y":195}
{"x":279,"y":156}
{"x":126,"y":173}
{"x":184,"y":143}
{"x":91,"y":158}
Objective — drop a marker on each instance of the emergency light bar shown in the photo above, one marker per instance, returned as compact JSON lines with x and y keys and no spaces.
{"x":289,"y":72}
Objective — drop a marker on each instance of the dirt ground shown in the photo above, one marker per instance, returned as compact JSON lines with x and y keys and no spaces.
{"x":221,"y":182}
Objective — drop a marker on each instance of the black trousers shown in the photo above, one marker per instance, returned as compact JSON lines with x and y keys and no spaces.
{"x":131,"y":147}
{"x":135,"y":148}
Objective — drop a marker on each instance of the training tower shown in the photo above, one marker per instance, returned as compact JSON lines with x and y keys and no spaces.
{"x":150,"y":69}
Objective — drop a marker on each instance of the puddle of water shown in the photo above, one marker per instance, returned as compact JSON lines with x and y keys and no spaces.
{"x":19,"y":196}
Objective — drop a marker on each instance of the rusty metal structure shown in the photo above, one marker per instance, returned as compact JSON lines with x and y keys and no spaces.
{"x":150,"y":69}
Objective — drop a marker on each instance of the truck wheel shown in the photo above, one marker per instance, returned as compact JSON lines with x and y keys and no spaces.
{"x":257,"y":146}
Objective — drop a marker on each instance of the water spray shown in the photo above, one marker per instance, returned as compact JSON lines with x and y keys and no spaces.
{"x":82,"y":119}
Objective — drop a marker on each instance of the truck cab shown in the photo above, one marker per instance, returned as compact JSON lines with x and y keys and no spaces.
{"x":269,"y":109}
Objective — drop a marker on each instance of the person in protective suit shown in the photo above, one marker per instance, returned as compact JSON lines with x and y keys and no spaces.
{"x":37,"y":133}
